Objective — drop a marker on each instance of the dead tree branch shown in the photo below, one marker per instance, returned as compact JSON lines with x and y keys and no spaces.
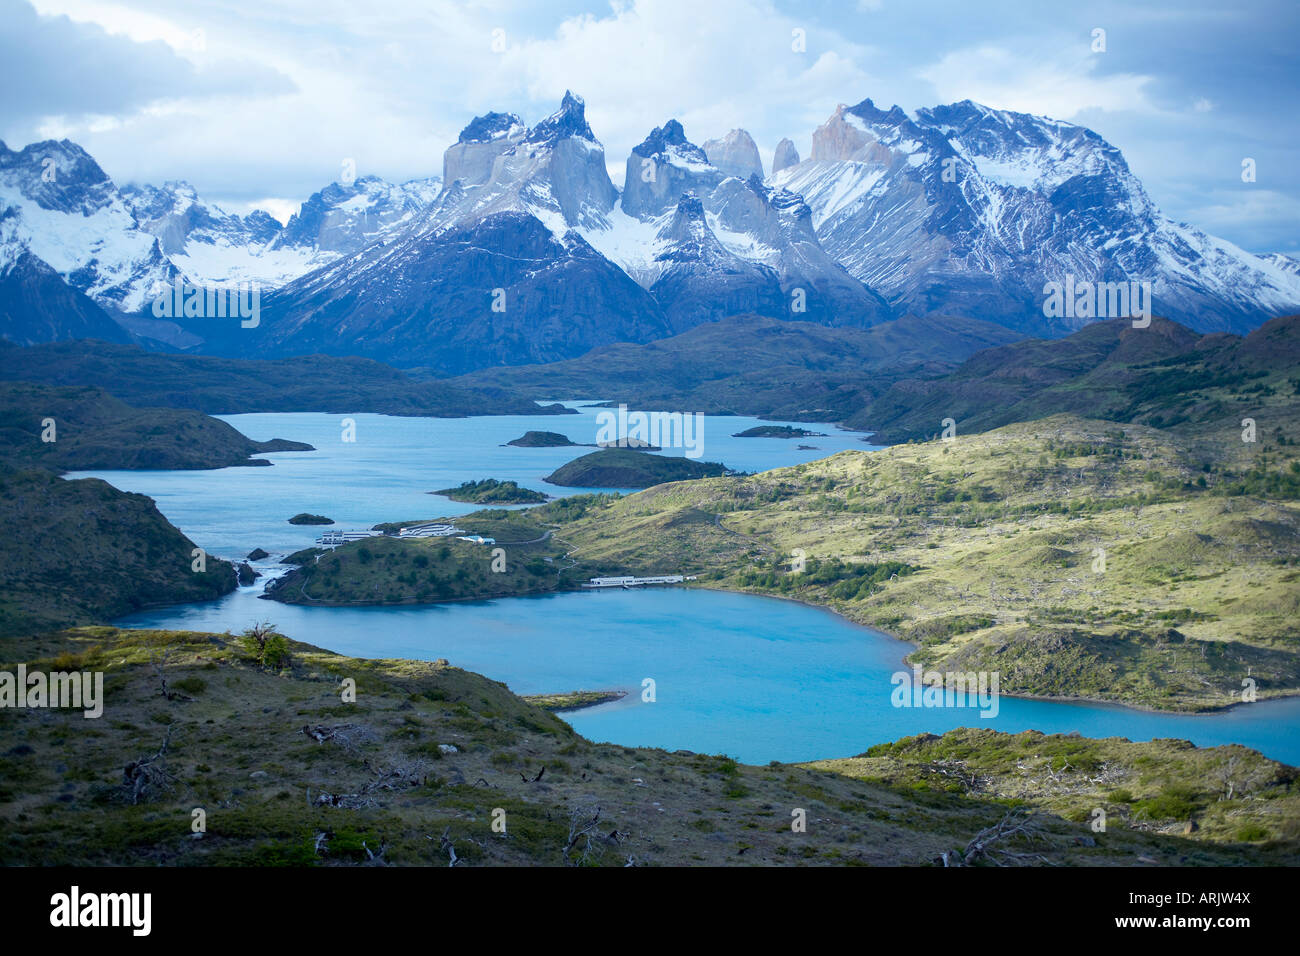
{"x":582,"y":823}
{"x":147,"y":776}
{"x":990,"y":843}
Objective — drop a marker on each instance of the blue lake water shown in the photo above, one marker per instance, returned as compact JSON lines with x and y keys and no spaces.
{"x":757,"y":678}
{"x":385,"y":474}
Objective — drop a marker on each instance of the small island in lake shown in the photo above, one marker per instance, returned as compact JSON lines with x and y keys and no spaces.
{"x":624,"y":468}
{"x":305,"y":518}
{"x":777,"y":431}
{"x":489,"y":491}
{"x":535,"y":439}
{"x":636,"y":444}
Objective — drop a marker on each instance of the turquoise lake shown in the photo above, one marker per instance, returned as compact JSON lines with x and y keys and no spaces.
{"x":387,"y":472}
{"x":758,"y":678}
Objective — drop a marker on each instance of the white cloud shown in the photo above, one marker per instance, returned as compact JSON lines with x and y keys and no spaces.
{"x":122,"y":20}
{"x":1229,"y":212}
{"x":1059,"y":82}
{"x":392,"y":82}
{"x":279,"y":209}
{"x":714,"y":66}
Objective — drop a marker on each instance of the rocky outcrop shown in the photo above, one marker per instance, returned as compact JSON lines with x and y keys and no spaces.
{"x":735,"y":154}
{"x":786,"y":156}
{"x":663,"y":168}
{"x":469,"y":160}
{"x":174,"y":214}
{"x":813,"y":286}
{"x":845,"y":137}
{"x":558,"y":166}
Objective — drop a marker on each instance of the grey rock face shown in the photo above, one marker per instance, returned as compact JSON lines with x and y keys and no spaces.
{"x":58,"y":204}
{"x":846,"y":137}
{"x":786,"y":156}
{"x":662,"y":169}
{"x":558,"y":166}
{"x":57,"y":175}
{"x":735,"y":154}
{"x":770,"y":262}
{"x":470,"y":158}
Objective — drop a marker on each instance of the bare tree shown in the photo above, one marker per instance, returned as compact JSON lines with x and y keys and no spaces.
{"x":147,"y":776}
{"x":158,"y":668}
{"x":582,"y":824}
{"x":450,"y":847}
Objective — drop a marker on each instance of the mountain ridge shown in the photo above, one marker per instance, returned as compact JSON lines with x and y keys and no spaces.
{"x":956,"y":209}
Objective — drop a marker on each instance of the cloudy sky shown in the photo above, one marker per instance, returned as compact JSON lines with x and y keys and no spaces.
{"x":259,"y":103}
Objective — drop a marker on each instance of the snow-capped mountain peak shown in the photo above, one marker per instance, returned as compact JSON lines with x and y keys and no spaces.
{"x":60,"y":206}
{"x":663,"y":167}
{"x":556,"y":171}
{"x":568,"y":122}
{"x":967,"y":209}
{"x":958,"y":209}
{"x":58,"y":176}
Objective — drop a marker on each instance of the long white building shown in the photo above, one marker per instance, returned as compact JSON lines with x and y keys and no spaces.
{"x":631,"y":582}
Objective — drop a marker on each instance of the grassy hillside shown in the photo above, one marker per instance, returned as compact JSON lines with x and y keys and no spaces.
{"x":986,"y":552}
{"x":1164,"y":786}
{"x":80,"y":551}
{"x":999,"y":535}
{"x":93,"y":429}
{"x":752,"y":365}
{"x":417,"y":768}
{"x":220,"y":386}
{"x":1165,"y":376}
